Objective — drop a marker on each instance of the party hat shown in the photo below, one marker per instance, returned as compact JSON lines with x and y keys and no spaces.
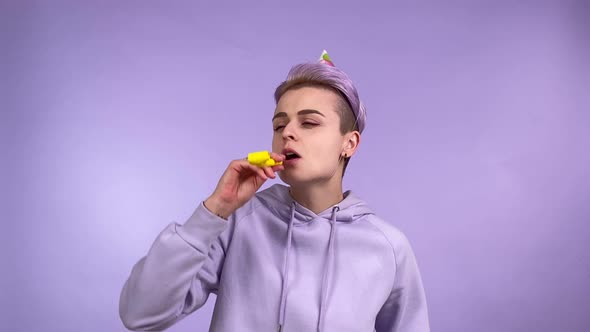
{"x":325,"y":58}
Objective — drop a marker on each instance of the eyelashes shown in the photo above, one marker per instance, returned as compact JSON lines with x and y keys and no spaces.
{"x":309,"y":124}
{"x":305,"y":124}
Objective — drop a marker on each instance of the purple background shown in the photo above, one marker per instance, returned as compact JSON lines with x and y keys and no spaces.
{"x":117,"y":119}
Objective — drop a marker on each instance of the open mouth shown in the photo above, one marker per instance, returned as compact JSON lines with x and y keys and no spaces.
{"x":291,"y":156}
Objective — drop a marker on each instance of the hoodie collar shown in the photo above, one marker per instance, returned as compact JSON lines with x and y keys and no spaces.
{"x":278,"y":199}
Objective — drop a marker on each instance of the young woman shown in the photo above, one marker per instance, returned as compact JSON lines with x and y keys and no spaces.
{"x":302,"y":257}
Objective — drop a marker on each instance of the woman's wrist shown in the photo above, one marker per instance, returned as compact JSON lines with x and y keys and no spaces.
{"x":218,"y":208}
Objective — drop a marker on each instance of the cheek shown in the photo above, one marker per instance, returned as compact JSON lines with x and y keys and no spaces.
{"x":328,"y":152}
{"x":275,"y":142}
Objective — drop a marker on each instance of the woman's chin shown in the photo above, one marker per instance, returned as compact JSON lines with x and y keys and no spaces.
{"x":295,"y":181}
{"x":284,"y":177}
{"x":290,"y":179}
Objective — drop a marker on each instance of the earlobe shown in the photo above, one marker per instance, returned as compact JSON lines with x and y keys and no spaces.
{"x":351,"y":145}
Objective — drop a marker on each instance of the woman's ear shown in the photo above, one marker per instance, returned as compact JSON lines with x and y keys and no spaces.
{"x":351,"y":143}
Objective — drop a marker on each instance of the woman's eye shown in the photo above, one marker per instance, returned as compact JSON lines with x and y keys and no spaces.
{"x":309,"y":124}
{"x":277,"y":128}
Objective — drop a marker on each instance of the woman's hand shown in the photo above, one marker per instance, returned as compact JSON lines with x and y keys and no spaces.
{"x":239,"y":183}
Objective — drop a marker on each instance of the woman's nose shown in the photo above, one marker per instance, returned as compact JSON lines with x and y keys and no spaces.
{"x":289,"y":132}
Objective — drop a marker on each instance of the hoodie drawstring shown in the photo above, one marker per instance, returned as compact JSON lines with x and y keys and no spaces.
{"x":326,"y":274}
{"x":327,"y":269}
{"x":286,"y":271}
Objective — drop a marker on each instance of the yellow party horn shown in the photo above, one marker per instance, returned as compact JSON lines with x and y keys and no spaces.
{"x":262,"y":159}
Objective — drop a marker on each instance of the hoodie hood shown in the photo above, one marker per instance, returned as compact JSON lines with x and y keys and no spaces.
{"x":279,"y":201}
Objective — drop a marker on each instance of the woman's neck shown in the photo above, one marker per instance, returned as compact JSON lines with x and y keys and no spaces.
{"x":318,"y":197}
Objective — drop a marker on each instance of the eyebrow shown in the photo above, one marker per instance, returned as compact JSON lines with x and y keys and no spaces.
{"x":302,"y":112}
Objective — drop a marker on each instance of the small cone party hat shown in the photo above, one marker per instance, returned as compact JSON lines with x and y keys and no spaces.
{"x":325,"y":58}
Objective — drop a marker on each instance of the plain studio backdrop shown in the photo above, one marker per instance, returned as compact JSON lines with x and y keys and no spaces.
{"x":119,"y":117}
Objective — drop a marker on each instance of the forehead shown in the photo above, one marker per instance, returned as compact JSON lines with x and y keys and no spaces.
{"x":309,"y":97}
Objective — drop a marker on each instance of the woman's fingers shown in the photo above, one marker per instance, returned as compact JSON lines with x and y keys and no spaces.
{"x":269,"y":172}
{"x":265,"y":172}
{"x":245,"y":165}
{"x":261,"y":172}
{"x":277,"y":168}
{"x":277,"y":156}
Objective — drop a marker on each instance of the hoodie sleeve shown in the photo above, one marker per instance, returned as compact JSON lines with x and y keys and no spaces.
{"x":179,"y":272}
{"x":405,"y":309}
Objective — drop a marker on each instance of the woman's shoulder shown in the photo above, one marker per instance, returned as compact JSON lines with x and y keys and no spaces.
{"x":395,"y":236}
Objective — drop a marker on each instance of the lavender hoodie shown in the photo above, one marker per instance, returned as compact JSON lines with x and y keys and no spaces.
{"x":277,"y":266}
